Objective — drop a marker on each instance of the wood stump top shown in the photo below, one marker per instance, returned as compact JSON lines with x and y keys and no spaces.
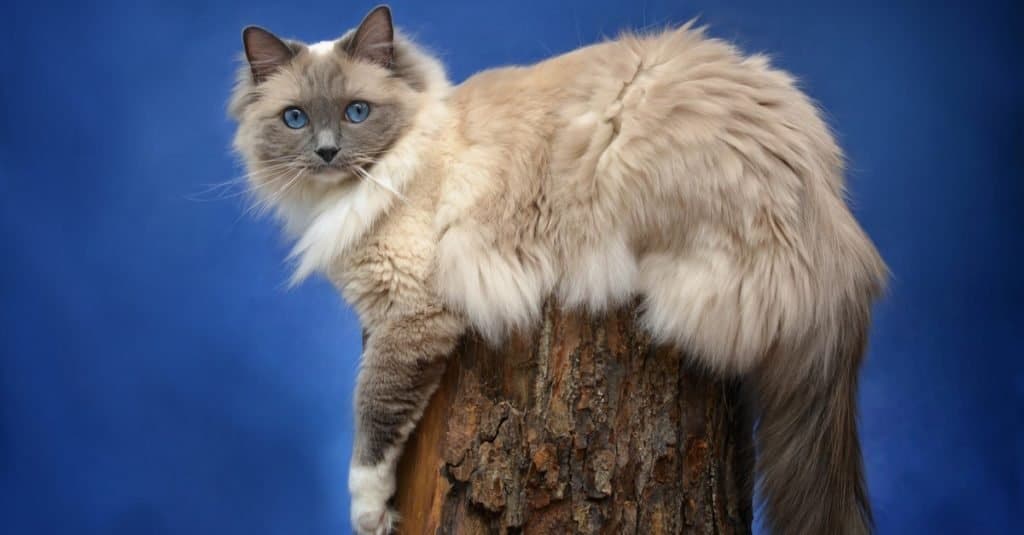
{"x":582,"y":426}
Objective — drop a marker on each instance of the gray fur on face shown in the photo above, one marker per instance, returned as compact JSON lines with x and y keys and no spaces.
{"x":322,"y":85}
{"x":325,"y":93}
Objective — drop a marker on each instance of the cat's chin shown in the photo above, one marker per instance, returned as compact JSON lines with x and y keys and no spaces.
{"x":330,"y":177}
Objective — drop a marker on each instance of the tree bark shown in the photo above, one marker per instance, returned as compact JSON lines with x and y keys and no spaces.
{"x":583,"y":426}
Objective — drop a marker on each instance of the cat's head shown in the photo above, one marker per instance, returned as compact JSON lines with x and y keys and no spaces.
{"x":316,"y":117}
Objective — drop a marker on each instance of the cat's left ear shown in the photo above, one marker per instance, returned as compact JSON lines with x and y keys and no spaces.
{"x":265,"y":52}
{"x":374,"y":40}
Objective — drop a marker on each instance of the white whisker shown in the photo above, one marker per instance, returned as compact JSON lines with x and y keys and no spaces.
{"x":366,"y":174}
{"x":222,"y":190}
{"x":277,"y":195}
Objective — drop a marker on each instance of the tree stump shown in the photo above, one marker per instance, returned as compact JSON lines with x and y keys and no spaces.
{"x":582,"y":426}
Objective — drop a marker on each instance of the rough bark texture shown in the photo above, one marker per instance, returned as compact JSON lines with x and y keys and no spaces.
{"x":583,"y":426}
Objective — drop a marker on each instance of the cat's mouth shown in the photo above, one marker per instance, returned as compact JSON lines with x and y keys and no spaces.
{"x":331,"y":175}
{"x":338,"y":172}
{"x":335,"y":173}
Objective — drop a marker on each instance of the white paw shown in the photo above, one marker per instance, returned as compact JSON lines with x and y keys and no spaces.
{"x":372,"y":520}
{"x":371,"y":488}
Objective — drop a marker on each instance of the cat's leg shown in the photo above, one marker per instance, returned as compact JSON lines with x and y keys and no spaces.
{"x":722,"y":311}
{"x":402,"y":365}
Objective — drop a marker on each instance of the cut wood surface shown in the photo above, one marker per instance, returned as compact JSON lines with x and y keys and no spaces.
{"x":582,"y":426}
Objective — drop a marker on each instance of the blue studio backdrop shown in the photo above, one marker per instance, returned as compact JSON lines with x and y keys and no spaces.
{"x":157,"y":377}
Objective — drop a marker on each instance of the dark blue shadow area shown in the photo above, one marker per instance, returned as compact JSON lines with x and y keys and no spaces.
{"x":157,"y":378}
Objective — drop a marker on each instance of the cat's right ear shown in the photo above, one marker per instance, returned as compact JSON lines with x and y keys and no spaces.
{"x":265,"y":52}
{"x":374,"y":40}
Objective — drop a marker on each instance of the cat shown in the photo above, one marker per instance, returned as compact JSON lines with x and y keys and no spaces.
{"x":666,"y":166}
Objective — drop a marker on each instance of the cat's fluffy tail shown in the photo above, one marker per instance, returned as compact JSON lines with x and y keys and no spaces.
{"x":810,"y":472}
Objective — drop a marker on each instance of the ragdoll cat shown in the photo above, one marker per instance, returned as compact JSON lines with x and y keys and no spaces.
{"x":666,"y":166}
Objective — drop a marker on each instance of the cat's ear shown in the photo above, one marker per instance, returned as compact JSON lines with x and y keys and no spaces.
{"x":265,"y":52}
{"x":374,"y":40}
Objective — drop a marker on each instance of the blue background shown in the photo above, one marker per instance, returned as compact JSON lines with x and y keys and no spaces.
{"x":157,"y":378}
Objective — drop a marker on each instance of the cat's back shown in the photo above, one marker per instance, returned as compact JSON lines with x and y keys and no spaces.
{"x":547,"y":94}
{"x":633,"y":129}
{"x":677,"y":86}
{"x":601,"y":173}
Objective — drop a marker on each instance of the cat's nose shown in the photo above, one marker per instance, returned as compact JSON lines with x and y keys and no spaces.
{"x":327,"y":153}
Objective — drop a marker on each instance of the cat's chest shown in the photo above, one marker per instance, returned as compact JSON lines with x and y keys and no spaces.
{"x":391,"y":268}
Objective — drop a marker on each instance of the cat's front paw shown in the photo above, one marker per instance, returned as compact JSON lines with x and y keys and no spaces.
{"x":371,"y":488}
{"x":373,"y":519}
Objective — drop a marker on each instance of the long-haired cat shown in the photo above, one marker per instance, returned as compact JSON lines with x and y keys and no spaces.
{"x":666,"y":166}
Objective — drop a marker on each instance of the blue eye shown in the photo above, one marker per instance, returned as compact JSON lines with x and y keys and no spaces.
{"x":357,"y":111}
{"x":295,"y":118}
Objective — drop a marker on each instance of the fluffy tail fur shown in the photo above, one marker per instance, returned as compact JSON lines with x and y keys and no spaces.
{"x":810,"y":472}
